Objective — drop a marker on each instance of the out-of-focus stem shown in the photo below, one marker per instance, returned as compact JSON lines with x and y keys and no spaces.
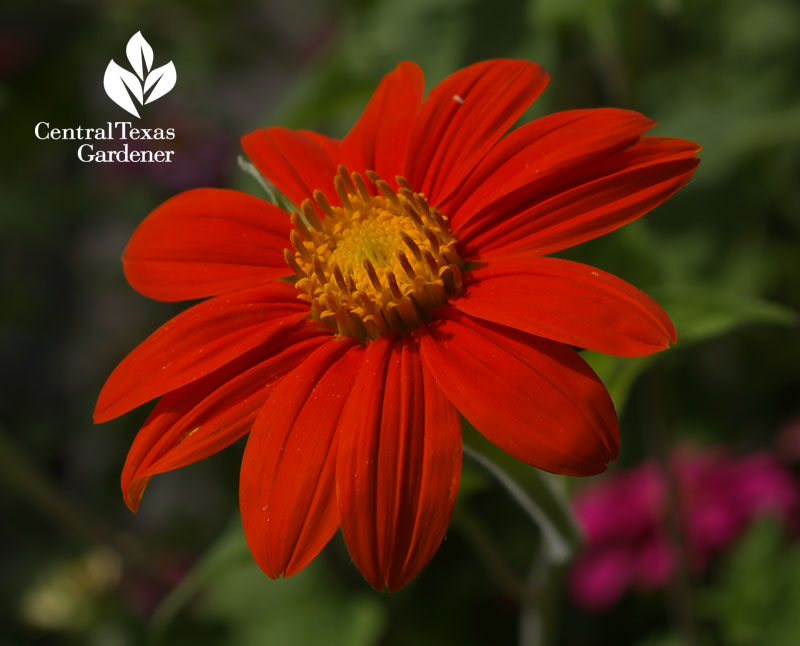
{"x":558,"y":541}
{"x":511,"y":585}
{"x":680,"y":587}
{"x":534,"y":594}
{"x":538,"y":606}
{"x":30,"y":484}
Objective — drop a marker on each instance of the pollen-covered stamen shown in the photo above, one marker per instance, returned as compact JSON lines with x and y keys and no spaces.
{"x":337,"y":274}
{"x":363,"y":192}
{"x":318,"y":271}
{"x":373,"y":275}
{"x":300,"y":225}
{"x":393,"y":286}
{"x":311,"y":214}
{"x":431,"y":236}
{"x":409,"y":242}
{"x":405,"y":265}
{"x":293,"y":264}
{"x":382,"y":260}
{"x":341,"y":191}
{"x":387,"y":192}
{"x":298,"y":245}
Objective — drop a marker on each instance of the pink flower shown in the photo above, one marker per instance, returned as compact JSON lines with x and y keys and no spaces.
{"x":624,"y":518}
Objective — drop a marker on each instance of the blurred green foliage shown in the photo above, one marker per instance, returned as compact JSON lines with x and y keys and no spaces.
{"x":721,"y":256}
{"x":308,"y":609}
{"x":756,"y":598}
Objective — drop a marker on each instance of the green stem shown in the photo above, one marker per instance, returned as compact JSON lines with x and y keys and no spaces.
{"x":561,"y":541}
{"x":560,"y":538}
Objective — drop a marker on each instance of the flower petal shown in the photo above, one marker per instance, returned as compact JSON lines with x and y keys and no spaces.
{"x":399,"y":464}
{"x":535,"y":399}
{"x":197,"y":342}
{"x":287,"y":493}
{"x":568,"y":302}
{"x":204,"y":242}
{"x":296,"y":163}
{"x":463,"y":117}
{"x":202,"y":418}
{"x":544,"y":155}
{"x":624,"y":186}
{"x":438,"y":486}
{"x":379,"y":138}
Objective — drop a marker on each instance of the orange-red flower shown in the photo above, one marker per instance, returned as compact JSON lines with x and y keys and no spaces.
{"x":423,"y":288}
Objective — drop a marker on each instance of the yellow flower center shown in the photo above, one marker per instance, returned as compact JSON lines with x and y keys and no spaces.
{"x":377,"y":262}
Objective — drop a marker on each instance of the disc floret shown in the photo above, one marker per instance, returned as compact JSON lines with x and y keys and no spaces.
{"x":380,"y":262}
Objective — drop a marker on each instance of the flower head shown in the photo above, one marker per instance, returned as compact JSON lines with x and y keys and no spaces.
{"x":624,"y":518}
{"x":422,"y":288}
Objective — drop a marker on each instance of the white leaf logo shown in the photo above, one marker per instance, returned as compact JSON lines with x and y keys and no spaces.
{"x":137,"y":49}
{"x":162,"y":80}
{"x":147,"y":85}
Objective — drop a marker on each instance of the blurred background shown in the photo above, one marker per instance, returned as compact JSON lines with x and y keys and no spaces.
{"x":691,"y":538}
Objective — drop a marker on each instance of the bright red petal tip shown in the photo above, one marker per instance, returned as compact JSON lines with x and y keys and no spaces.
{"x":539,"y":401}
{"x":198,"y":420}
{"x":398,"y":467}
{"x":568,"y":302}
{"x":379,"y":138}
{"x":620,"y":188}
{"x":463,"y":117}
{"x":286,"y":492}
{"x":543,"y":156}
{"x":206,"y":242}
{"x":197,"y":342}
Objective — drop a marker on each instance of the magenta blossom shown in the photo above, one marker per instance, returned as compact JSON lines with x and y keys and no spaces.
{"x":624,"y":518}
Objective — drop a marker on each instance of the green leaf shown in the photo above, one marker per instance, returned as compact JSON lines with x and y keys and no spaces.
{"x":534,"y":491}
{"x":227,"y":587}
{"x":702,"y":313}
{"x":698,"y":314}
